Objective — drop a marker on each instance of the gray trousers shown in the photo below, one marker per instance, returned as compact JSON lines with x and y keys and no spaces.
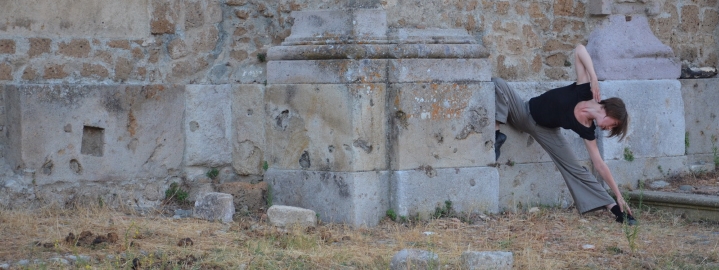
{"x":588,"y":194}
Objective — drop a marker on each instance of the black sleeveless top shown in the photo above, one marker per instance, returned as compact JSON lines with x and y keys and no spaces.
{"x":555,"y":108}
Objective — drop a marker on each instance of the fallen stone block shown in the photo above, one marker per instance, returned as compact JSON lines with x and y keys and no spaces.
{"x":414,"y":259}
{"x":286,"y":216}
{"x":215,"y":206}
{"x":496,"y":260}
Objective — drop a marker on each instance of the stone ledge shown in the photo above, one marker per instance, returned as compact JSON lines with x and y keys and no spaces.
{"x":690,"y":206}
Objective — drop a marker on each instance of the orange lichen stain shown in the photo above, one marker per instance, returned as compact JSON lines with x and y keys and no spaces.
{"x":441,"y":101}
{"x":131,"y":123}
{"x":152,"y":91}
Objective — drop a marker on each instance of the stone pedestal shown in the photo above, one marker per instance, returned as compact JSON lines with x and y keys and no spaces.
{"x":359,"y":113}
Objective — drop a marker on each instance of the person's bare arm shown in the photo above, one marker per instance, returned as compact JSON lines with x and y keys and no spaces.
{"x":603,"y":171}
{"x":585,"y":70}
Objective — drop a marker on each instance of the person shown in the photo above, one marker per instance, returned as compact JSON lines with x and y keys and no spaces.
{"x":577,"y":107}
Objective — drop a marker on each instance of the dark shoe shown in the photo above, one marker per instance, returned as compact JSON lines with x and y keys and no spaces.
{"x":631,"y":221}
{"x":499,"y":139}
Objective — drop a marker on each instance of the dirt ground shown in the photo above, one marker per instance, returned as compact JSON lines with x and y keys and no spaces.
{"x":545,"y":239}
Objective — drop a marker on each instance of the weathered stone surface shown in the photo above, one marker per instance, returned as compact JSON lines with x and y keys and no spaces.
{"x":5,"y":72}
{"x":55,"y":71}
{"x":138,"y":127}
{"x":177,"y":48}
{"x":656,"y":126}
{"x":414,"y":259}
{"x":125,"y":19}
{"x":337,"y":26}
{"x":627,"y":50}
{"x":442,"y":125}
{"x":422,"y":190}
{"x":7,"y":46}
{"x":246,"y":196}
{"x":208,"y":125}
{"x":439,"y":70}
{"x":327,"y":71}
{"x":97,"y":71}
{"x":119,"y":44}
{"x":164,"y":17}
{"x":700,"y":115}
{"x":75,"y":48}
{"x":248,"y":119}
{"x":326,"y":127}
{"x":532,"y":184}
{"x":599,"y":7}
{"x":486,"y":260}
{"x":38,"y":46}
{"x":627,"y":174}
{"x":214,"y":206}
{"x":356,"y":198}
{"x":287,"y":216}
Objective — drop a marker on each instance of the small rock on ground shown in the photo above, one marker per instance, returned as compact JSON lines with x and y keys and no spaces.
{"x":658,"y":184}
{"x":475,"y":260}
{"x":414,"y":259}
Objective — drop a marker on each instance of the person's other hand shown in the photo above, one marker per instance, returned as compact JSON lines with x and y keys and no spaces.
{"x":623,"y":205}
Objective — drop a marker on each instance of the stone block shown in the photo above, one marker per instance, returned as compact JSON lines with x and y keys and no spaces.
{"x":164,"y":17}
{"x":251,"y":197}
{"x":326,"y":127}
{"x":114,"y":19}
{"x":327,"y":71}
{"x":487,"y":260}
{"x":533,"y":184}
{"x":700,"y":115}
{"x":214,"y":206}
{"x":414,"y":259}
{"x":441,"y":125}
{"x":288,"y":216}
{"x":75,"y":48}
{"x":95,"y":132}
{"x":656,"y":119}
{"x":5,"y":72}
{"x":439,"y":70}
{"x":337,"y":26}
{"x":38,"y":46}
{"x":627,"y":174}
{"x":355,"y":198}
{"x":7,"y":46}
{"x":599,"y":7}
{"x":208,"y":125}
{"x":624,"y":49}
{"x":421,"y":191}
{"x":248,"y":119}
{"x":55,"y":71}
{"x":522,"y":148}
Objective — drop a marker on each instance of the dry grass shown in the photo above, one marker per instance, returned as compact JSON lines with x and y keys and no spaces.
{"x":549,"y":239}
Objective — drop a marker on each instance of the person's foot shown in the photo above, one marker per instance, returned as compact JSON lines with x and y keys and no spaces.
{"x":631,"y":221}
{"x":499,"y":139}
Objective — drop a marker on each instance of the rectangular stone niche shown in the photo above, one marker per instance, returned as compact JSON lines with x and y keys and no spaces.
{"x":92,"y":141}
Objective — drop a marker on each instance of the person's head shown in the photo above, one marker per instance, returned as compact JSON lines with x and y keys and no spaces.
{"x":616,"y":120}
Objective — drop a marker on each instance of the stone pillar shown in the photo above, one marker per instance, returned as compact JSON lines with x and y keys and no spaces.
{"x":362,"y":118}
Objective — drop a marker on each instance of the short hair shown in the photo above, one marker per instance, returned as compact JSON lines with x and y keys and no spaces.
{"x":615,"y":108}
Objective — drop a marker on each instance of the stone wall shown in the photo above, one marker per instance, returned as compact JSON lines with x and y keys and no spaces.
{"x":223,"y":41}
{"x":210,"y":57}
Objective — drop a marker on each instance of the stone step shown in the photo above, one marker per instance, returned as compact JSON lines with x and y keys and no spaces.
{"x":690,"y":206}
